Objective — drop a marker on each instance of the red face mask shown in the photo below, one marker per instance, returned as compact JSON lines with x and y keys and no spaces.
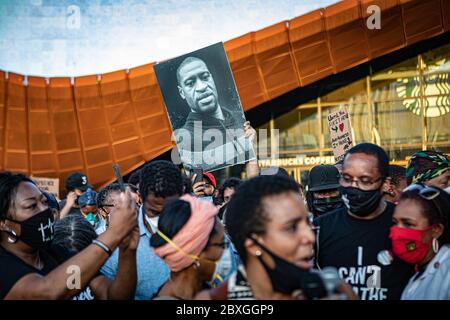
{"x":407,"y":244}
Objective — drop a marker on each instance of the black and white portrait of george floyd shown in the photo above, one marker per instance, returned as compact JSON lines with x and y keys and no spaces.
{"x":204,"y":109}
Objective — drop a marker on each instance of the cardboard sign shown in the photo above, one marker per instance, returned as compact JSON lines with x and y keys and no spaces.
{"x":340,"y":133}
{"x":49,"y":185}
{"x":204,"y":109}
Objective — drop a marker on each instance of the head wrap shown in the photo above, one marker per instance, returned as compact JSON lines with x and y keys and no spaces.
{"x":183,"y":250}
{"x":426,"y":165}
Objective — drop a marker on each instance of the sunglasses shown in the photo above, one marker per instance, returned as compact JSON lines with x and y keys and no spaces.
{"x":426,"y":192}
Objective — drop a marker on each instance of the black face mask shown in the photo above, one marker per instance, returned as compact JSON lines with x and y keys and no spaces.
{"x":287,"y":277}
{"x":324,"y":205}
{"x":361,"y":203}
{"x":36,"y":231}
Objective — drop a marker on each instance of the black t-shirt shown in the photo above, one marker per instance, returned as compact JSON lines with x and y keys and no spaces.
{"x":353,"y":246}
{"x":13,"y":269}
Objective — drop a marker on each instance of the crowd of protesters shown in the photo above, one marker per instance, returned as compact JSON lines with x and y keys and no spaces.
{"x":379,"y":231}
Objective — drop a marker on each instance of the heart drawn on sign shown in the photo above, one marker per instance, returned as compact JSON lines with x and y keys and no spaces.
{"x":341,"y":127}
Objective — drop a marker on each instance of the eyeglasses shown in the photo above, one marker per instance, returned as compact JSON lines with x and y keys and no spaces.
{"x":426,"y":192}
{"x":364,"y":183}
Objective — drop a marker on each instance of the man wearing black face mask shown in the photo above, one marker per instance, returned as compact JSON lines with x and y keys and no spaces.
{"x":323,"y":194}
{"x":355,"y":238}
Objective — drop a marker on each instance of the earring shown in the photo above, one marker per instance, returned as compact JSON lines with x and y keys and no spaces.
{"x":196,"y":264}
{"x":435,"y":245}
{"x":258,"y":253}
{"x":11,"y":239}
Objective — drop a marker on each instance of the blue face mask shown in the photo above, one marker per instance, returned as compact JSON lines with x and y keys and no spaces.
{"x":207,"y":198}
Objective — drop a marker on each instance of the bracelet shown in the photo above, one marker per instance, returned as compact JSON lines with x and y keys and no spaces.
{"x":103,"y":246}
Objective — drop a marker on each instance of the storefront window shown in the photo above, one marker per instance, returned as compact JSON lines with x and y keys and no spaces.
{"x":400,"y":153}
{"x":437,"y":92}
{"x":397,"y":82}
{"x":395,"y":124}
{"x":395,"y":89}
{"x":298,"y":130}
{"x":437,"y":60}
{"x":355,"y":91}
{"x":437,"y":110}
{"x":409,"y":106}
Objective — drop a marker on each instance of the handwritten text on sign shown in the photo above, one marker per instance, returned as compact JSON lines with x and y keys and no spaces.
{"x":340,"y":133}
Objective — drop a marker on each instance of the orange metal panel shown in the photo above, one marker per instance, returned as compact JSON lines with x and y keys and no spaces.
{"x":41,"y":135}
{"x":341,"y":13}
{"x":390,"y":36}
{"x":42,"y":146}
{"x":346,"y":34}
{"x":240,"y":52}
{"x":91,"y":120}
{"x":310,"y":46}
{"x":239,"y":48}
{"x":121,"y":116}
{"x":445,"y":6}
{"x":275,"y":62}
{"x":422,"y":19}
{"x":16,"y":138}
{"x":66,"y":132}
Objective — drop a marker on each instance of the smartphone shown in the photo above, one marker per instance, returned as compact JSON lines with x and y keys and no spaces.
{"x":199,"y":175}
{"x":119,"y":177}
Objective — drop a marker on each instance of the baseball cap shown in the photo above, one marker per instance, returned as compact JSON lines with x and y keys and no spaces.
{"x":77,"y":180}
{"x":211,"y":178}
{"x":323,"y":177}
{"x":51,"y":201}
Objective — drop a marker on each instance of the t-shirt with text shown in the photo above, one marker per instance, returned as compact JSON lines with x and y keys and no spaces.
{"x":359,"y":249}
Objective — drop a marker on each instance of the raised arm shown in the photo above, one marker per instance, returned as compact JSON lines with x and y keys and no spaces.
{"x":75,"y":274}
{"x":251,"y":167}
{"x":70,"y":201}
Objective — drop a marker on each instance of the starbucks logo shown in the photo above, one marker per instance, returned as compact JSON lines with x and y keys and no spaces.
{"x":436,"y":89}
